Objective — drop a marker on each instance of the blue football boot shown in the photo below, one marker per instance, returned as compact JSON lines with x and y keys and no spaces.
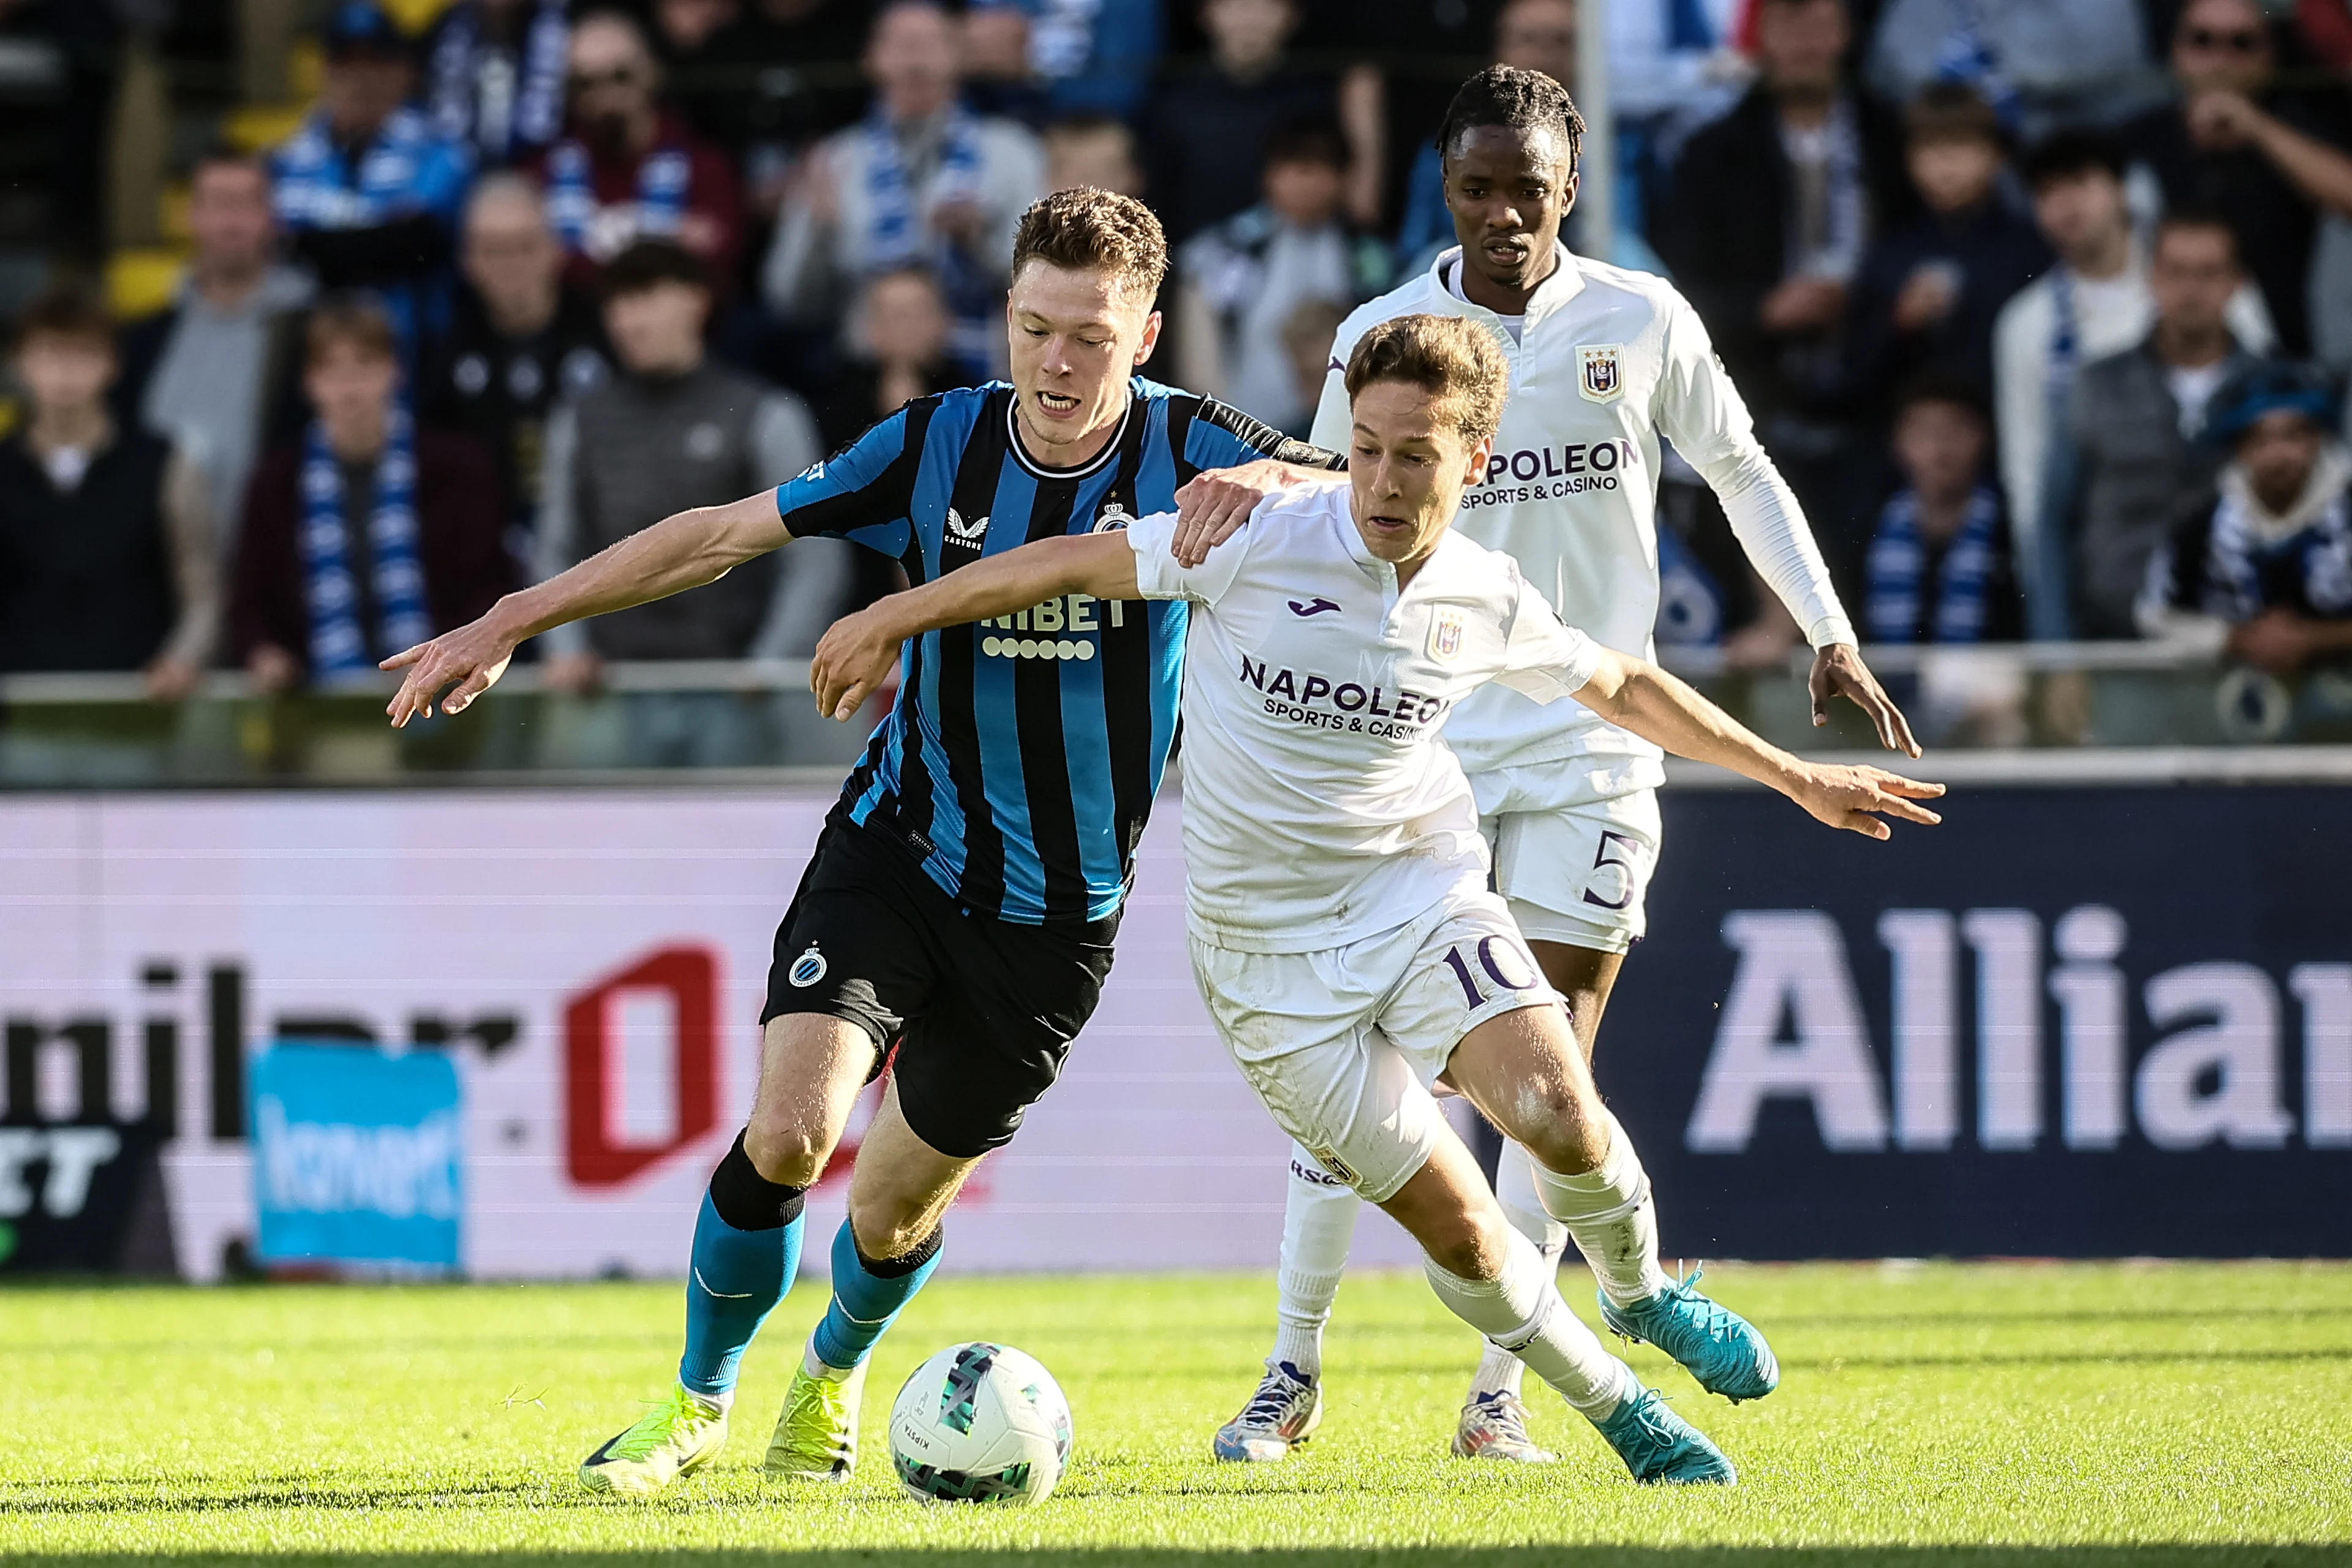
{"x":1662,"y":1449}
{"x":1719,"y":1347}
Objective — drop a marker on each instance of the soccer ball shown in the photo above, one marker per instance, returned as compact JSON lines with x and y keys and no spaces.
{"x":979,"y":1423}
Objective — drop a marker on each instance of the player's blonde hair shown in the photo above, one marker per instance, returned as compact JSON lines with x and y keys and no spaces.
{"x":1452,"y":358}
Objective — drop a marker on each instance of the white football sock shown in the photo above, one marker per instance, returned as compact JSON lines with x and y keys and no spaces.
{"x":1499,"y":1371}
{"x":1612,"y":1218}
{"x":1522,"y":1311}
{"x":1319,"y":1221}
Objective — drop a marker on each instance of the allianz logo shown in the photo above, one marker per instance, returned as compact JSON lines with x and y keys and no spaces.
{"x":1053,"y":628}
{"x":1792,"y":1027}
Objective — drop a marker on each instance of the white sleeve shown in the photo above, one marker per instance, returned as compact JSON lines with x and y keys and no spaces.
{"x":1703,"y":415}
{"x":2021,"y":389}
{"x":1543,"y":657}
{"x":1158,"y":574}
{"x":1332,"y":425}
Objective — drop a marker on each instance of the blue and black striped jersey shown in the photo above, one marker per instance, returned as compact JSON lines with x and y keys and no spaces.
{"x":1022,"y":756}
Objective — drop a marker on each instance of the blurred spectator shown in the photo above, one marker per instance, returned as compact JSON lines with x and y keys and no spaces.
{"x":2265,"y":156}
{"x":220,"y":369}
{"x":107,"y":559}
{"x":1672,"y":57}
{"x":368,"y":535}
{"x":1930,"y":290}
{"x":899,"y":352}
{"x":1088,"y":57}
{"x":2134,"y":420}
{"x":630,"y":168}
{"x":1240,"y":281}
{"x":771,"y":82}
{"x":1770,"y":213}
{"x":522,"y":341}
{"x":367,"y":191}
{"x":494,"y":76}
{"x":2266,"y":553}
{"x":992,"y":58}
{"x":1940,"y":569}
{"x":669,"y":430}
{"x":2093,"y":303}
{"x":1532,"y":34}
{"x":1307,"y":334}
{"x":923,"y":182}
{"x":2040,"y":63}
{"x":1400,"y":62}
{"x":1092,"y":150}
{"x":1206,"y":130}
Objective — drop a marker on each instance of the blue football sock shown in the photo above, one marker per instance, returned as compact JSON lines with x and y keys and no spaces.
{"x":866,"y":1296}
{"x":738,"y":1275}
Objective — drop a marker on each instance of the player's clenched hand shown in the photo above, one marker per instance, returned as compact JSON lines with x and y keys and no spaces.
{"x":1838,"y":670}
{"x":1211,"y":508}
{"x":1854,"y":798}
{"x":466,"y":663}
{"x":853,"y":659}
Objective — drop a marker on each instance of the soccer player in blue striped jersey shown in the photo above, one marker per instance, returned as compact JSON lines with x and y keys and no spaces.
{"x":957,"y":916}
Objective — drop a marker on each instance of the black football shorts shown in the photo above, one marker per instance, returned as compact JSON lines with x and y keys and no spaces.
{"x":981,"y":1010}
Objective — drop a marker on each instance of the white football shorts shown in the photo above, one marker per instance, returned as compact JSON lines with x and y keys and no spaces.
{"x":1574,"y":866}
{"x":1343,"y":1045}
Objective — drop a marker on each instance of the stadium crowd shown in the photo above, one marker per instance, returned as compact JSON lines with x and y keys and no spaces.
{"x":2040,"y":304}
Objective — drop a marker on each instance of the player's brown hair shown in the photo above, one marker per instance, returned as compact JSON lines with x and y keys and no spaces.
{"x":1089,"y":230}
{"x":351,"y":320}
{"x":67,"y":311}
{"x":1452,"y":358}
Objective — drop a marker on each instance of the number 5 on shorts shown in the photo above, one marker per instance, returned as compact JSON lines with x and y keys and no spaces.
{"x":1606,"y":856}
{"x":1473,"y":994}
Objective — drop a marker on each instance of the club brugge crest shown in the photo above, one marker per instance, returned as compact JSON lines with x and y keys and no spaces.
{"x":807,"y":969}
{"x":1601,"y":372}
{"x":1445,"y":633}
{"x":1112,"y":518}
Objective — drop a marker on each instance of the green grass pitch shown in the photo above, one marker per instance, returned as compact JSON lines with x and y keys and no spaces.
{"x":2113,"y":1414}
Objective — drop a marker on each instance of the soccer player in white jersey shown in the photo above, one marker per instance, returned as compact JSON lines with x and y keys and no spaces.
{"x":1603,"y":362}
{"x":1342,"y":932}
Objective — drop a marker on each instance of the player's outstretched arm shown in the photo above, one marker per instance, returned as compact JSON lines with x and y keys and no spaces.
{"x":854,"y":655}
{"x":1638,"y":695}
{"x":682,"y":551}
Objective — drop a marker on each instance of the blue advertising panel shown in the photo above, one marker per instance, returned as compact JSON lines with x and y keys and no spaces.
{"x":358,"y":1156}
{"x":2067,"y":1023}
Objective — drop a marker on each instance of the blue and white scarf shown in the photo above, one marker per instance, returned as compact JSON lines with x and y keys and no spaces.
{"x":338,"y":645}
{"x":507,"y":117}
{"x":898,"y":232}
{"x":665,"y":176}
{"x":2251,"y":549}
{"x":1899,"y":564}
{"x":313,"y":187}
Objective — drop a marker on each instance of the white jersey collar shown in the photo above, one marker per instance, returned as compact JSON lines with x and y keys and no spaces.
{"x":1566,"y":282}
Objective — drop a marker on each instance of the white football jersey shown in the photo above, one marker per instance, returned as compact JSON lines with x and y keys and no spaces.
{"x":1319,"y":806}
{"x":1607,"y":360}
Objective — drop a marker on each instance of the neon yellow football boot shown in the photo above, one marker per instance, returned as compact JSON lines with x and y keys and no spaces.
{"x":817,"y":1436}
{"x":678,"y":1437}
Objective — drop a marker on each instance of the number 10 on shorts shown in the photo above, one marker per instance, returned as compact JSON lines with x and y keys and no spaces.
{"x":1498,"y":959}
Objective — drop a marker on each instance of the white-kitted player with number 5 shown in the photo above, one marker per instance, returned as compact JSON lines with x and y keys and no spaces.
{"x":1604,"y":363}
{"x":1342,"y":932}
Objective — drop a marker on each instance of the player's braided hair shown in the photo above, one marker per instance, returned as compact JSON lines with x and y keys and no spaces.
{"x":1520,"y":100}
